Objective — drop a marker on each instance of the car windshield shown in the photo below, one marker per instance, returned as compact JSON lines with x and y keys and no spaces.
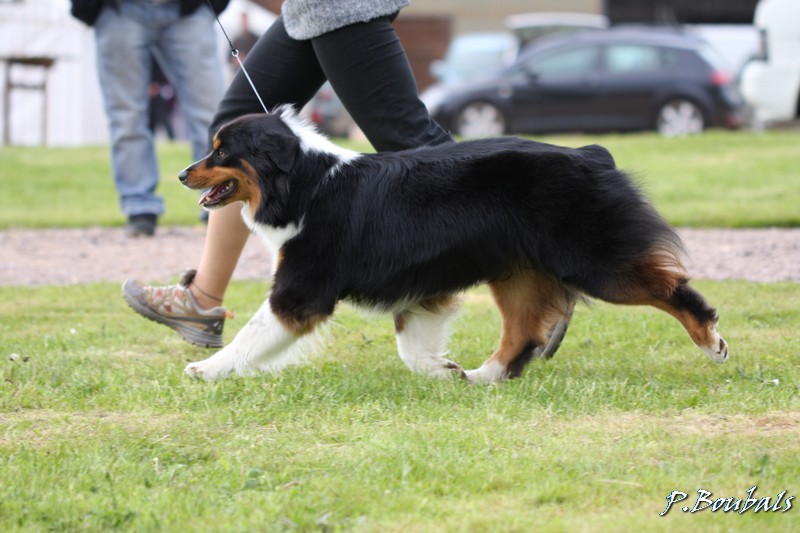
{"x":473,"y":56}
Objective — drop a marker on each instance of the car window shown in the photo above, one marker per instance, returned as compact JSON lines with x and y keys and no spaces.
{"x":622,"y":58}
{"x":671,"y":57}
{"x":569,"y":64}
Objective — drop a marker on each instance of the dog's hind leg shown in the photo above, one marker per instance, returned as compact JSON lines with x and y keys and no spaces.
{"x":422,"y":332}
{"x":268,"y":342}
{"x":699,"y":319}
{"x":535,"y":309}
{"x":659,"y":281}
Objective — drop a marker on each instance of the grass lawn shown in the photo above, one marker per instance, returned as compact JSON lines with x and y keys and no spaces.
{"x":718,"y":179}
{"x":99,"y":430}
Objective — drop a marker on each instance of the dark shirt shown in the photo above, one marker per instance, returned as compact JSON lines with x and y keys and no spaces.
{"x":87,"y":11}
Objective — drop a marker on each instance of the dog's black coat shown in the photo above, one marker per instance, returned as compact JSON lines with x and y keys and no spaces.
{"x":542,"y":225}
{"x":414,"y":225}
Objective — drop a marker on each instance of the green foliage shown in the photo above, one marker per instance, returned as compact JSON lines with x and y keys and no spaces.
{"x":718,"y":179}
{"x":99,"y":430}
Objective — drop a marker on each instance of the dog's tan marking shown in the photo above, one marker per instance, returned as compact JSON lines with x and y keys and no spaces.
{"x":654,"y":276}
{"x":278,"y":259}
{"x":300,"y":327}
{"x":530,"y":304}
{"x":399,"y":323}
{"x":203,"y":176}
{"x":704,"y":334}
{"x":442,"y":304}
{"x":251,"y":189}
{"x":216,"y":143}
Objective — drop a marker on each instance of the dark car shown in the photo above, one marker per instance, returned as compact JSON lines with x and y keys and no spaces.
{"x":609,"y":80}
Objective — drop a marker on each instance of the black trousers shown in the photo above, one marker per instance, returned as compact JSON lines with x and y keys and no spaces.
{"x":367,"y":67}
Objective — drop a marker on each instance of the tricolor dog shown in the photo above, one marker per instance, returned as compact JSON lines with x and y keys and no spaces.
{"x":407,"y":232}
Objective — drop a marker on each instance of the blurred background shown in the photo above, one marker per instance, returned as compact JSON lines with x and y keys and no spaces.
{"x":483,"y":68}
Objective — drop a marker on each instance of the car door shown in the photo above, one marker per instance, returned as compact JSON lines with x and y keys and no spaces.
{"x":558,"y":91}
{"x":632,"y":74}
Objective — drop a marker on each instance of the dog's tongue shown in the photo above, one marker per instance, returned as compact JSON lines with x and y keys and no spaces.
{"x":209,"y":195}
{"x":204,"y":198}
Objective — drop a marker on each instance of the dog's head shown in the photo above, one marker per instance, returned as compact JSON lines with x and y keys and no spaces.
{"x":250,"y":161}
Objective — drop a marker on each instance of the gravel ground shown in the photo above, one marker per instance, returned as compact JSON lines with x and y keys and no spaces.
{"x":70,"y":256}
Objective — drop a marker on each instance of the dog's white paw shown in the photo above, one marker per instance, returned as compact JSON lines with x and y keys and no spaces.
{"x":439,"y":368}
{"x":718,"y":352}
{"x":206,"y":370}
{"x":490,"y":372}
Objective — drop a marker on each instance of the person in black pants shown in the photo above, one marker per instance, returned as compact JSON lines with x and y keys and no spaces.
{"x":367,"y":68}
{"x":369,"y":71}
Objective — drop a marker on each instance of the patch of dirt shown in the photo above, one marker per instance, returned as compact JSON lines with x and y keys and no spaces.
{"x":73,"y":256}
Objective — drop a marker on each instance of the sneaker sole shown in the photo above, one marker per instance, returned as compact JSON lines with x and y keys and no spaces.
{"x":189,"y":334}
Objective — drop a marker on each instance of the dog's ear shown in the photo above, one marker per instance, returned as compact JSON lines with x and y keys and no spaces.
{"x":283,"y":151}
{"x":273,"y":139}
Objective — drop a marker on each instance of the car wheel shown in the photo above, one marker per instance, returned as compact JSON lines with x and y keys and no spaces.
{"x":480,"y":119}
{"x":680,"y":117}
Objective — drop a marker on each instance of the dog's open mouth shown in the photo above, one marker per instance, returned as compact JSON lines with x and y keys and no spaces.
{"x":216,"y":195}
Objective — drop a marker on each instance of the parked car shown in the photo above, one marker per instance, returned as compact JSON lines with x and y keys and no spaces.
{"x":771,"y":81}
{"x":473,"y":55}
{"x":609,"y":80}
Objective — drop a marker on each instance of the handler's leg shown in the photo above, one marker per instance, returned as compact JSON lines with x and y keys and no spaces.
{"x":284,"y":71}
{"x":369,"y":70}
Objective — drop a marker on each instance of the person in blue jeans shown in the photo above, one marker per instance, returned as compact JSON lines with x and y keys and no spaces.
{"x":180,"y":35}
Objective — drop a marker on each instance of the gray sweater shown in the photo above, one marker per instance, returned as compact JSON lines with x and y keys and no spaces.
{"x":306,"y":19}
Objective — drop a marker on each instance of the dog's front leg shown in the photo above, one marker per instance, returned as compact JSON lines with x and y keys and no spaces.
{"x":422,"y":332}
{"x":259,"y":346}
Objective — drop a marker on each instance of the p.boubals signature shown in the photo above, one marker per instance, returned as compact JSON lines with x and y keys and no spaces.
{"x":704,"y":501}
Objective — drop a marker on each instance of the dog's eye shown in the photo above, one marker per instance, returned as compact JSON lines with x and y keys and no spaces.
{"x":221,"y":153}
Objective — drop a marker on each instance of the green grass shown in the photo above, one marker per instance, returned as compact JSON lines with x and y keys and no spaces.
{"x":99,"y":430}
{"x":719,"y":179}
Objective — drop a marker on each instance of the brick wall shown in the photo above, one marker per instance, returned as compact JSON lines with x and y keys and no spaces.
{"x":425,"y":39}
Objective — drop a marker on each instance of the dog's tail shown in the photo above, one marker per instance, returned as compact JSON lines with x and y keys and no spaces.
{"x":650,"y":252}
{"x":623,"y":250}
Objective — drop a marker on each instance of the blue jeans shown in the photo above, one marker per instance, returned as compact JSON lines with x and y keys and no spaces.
{"x":186,"y":50}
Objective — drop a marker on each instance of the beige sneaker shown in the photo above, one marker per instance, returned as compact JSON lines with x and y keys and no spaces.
{"x":175,"y":307}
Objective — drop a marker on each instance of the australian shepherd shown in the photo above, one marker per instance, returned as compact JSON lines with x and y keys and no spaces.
{"x":407,"y":232}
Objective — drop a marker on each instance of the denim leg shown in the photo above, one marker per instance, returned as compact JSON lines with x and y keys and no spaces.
{"x":123,"y":64}
{"x":187,"y":50}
